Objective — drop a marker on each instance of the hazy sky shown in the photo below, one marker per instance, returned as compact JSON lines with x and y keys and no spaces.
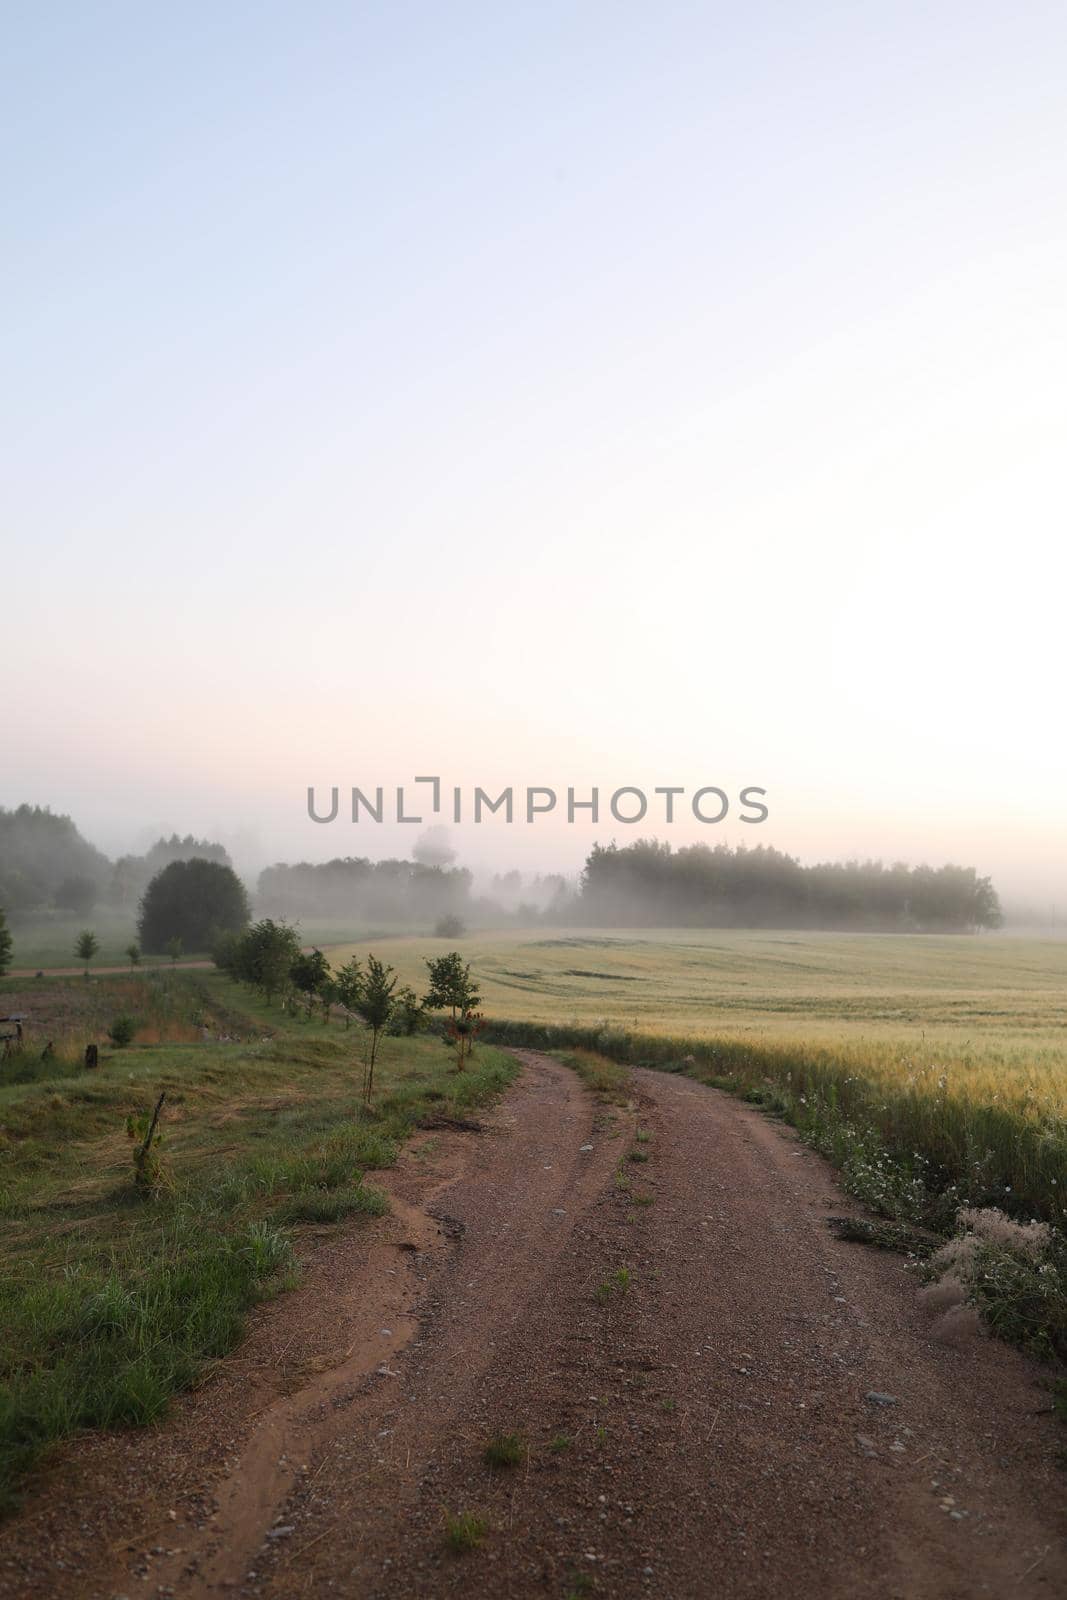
{"x":555,"y":394}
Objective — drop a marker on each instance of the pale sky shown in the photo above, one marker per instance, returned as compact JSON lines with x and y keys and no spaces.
{"x":557,"y":394}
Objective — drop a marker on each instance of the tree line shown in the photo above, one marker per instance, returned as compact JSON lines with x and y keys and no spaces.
{"x":47,"y":864}
{"x":649,"y":884}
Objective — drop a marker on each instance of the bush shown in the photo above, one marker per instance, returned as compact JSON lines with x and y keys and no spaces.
{"x":450,"y":927}
{"x":5,"y":945}
{"x":122,"y":1031}
{"x":192,"y":902}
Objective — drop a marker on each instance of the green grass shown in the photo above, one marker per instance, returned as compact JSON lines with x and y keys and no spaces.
{"x":619,"y":1282}
{"x":505,"y":1450}
{"x":464,"y":1531}
{"x":109,"y":1303}
{"x":608,"y":1080}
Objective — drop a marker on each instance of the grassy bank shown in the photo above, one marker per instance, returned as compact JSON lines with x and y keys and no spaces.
{"x":110,"y":1302}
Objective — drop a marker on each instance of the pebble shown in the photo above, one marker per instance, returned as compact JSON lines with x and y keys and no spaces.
{"x":585,"y":1148}
{"x":876,"y":1398}
{"x":283,"y":1532}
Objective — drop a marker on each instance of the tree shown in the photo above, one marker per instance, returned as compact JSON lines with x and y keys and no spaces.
{"x":86,"y":947}
{"x":462,"y":1032}
{"x":193,"y":901}
{"x":38,"y":850}
{"x":450,"y":927}
{"x":175,"y":948}
{"x":225,"y":952}
{"x":76,"y":893}
{"x":349,"y":986}
{"x":408,"y":1014}
{"x":309,"y":973}
{"x":328,"y":996}
{"x":263,"y":956}
{"x":451,"y":986}
{"x":375,"y":1005}
{"x":133,"y":951}
{"x":6,"y":944}
{"x":122,"y":1031}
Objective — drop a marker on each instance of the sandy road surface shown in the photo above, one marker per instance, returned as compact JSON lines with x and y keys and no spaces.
{"x":704,"y":1431}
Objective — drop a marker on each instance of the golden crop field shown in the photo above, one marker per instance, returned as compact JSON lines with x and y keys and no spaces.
{"x":980,"y":997}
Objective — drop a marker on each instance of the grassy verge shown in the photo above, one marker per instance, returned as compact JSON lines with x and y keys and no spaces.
{"x":607,"y":1079}
{"x":911,"y":1149}
{"x":110,"y":1303}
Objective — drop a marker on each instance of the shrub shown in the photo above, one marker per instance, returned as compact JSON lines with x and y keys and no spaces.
{"x":450,"y":927}
{"x":122,"y":1031}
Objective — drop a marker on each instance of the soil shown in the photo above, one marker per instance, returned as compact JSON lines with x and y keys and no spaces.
{"x":716,"y":1396}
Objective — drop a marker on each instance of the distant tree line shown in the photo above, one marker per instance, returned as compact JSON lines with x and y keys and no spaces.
{"x":376,"y":891}
{"x":46,"y":864}
{"x":44,"y":861}
{"x":649,"y":884}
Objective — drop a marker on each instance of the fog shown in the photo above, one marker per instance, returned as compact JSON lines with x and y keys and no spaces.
{"x":370,"y":419}
{"x":48,"y":866}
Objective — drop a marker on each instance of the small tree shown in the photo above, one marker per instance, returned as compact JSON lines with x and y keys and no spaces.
{"x":264,"y":955}
{"x":308,"y":974}
{"x":451,"y":988}
{"x":133,"y":951}
{"x":375,"y":1005}
{"x":349,"y":986}
{"x":6,"y":943}
{"x":462,"y":1032}
{"x":328,"y":996}
{"x":86,"y":947}
{"x":408,"y":1014}
{"x":122,"y":1031}
{"x":147,"y":1170}
{"x":450,"y":927}
{"x":226,"y":952}
{"x":175,"y":949}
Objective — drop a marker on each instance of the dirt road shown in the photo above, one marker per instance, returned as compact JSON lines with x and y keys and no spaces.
{"x":687,"y":1350}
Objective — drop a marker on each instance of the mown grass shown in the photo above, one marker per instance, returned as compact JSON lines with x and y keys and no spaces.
{"x":109,"y":1303}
